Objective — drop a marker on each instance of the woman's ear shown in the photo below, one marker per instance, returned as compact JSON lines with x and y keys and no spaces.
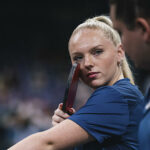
{"x":144,"y":25}
{"x":121,"y":53}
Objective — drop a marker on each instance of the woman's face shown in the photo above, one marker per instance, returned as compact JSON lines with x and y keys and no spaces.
{"x":97,"y":55}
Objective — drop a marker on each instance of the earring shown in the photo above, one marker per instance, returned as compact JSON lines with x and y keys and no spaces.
{"x":120,"y":63}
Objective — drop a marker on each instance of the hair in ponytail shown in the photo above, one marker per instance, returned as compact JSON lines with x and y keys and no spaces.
{"x":104,"y":24}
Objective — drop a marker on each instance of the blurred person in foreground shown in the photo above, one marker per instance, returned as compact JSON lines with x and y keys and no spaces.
{"x":132,"y":19}
{"x":110,"y":117}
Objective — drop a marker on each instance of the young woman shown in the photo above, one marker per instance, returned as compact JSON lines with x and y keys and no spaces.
{"x":109,"y":119}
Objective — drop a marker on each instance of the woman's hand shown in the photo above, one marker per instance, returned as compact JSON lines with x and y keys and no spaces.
{"x":59,"y":115}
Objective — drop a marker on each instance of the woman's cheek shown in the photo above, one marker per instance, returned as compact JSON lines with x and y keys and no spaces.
{"x":82,"y":76}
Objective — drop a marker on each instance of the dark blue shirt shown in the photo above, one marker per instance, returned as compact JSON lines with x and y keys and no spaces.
{"x":144,"y":129}
{"x":112,"y":115}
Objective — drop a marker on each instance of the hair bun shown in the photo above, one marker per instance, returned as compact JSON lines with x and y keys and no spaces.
{"x":104,"y":19}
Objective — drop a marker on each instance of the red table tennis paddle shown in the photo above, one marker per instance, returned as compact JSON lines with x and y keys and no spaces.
{"x":70,"y":91}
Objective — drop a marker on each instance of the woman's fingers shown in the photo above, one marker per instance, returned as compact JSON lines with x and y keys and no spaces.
{"x":71,"y":111}
{"x":59,"y":115}
{"x":60,"y":106}
{"x":57,"y":119}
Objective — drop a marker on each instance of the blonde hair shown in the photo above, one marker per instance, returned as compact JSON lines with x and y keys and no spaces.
{"x":104,"y":24}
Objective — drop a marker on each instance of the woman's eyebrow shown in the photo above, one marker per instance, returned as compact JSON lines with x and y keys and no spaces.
{"x":76,"y":53}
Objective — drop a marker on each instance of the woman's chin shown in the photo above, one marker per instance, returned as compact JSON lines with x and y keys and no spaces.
{"x":95,"y":86}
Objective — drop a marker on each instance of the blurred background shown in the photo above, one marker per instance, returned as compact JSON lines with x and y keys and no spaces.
{"x":34,"y":62}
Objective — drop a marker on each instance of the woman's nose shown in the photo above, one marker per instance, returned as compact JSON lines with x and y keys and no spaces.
{"x":88,"y":62}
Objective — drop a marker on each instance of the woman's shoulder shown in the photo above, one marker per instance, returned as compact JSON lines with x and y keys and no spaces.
{"x":128,"y":90}
{"x":113,"y":89}
{"x":121,"y":90}
{"x":105,"y":94}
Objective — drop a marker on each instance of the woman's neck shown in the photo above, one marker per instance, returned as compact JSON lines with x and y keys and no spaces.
{"x":119,"y":75}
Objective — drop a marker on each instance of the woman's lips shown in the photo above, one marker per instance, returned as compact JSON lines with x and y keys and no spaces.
{"x":92,"y":74}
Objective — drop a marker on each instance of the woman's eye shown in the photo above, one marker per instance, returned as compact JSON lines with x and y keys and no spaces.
{"x":97,"y":51}
{"x":77,"y":58}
